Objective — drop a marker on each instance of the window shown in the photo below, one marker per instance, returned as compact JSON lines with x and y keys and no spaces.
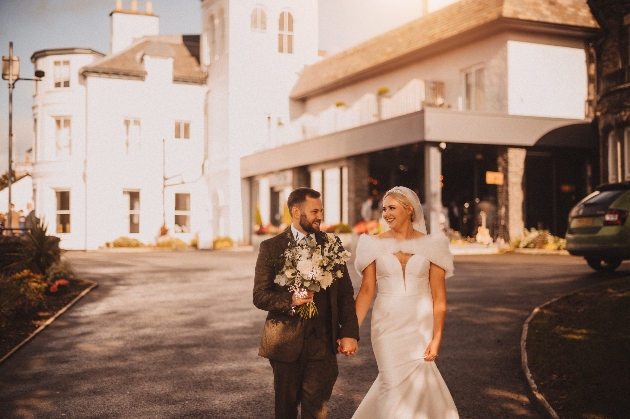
{"x":62,"y":73}
{"x":259,"y":20}
{"x":474,"y":89}
{"x":182,"y":130}
{"x":63,"y":137}
{"x":132,"y":201}
{"x":182,"y":213}
{"x":132,"y":136}
{"x":285,"y":33}
{"x":63,"y":211}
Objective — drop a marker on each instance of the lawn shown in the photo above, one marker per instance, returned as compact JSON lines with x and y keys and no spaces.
{"x":578,"y":349}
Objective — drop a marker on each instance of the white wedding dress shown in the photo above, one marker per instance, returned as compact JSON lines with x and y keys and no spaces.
{"x":407,"y":386}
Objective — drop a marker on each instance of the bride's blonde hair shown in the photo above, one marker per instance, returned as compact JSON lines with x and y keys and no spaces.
{"x":399,"y":196}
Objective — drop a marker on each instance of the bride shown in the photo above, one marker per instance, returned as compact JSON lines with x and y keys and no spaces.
{"x":410,"y":268}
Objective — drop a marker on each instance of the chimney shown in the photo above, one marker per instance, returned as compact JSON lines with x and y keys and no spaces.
{"x":127,"y":26}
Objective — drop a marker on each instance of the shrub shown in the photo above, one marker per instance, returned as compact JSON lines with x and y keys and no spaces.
{"x":127,"y":242}
{"x":222,"y":243}
{"x":540,"y":239}
{"x":37,"y":250}
{"x":171,"y":242}
{"x":60,"y":270}
{"x":20,"y":294}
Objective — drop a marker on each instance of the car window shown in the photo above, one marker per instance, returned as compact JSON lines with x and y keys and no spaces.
{"x":604,"y":197}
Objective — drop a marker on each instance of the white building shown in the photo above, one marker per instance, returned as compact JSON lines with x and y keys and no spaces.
{"x":252,"y":52}
{"x":197,"y":132}
{"x":478,"y":87}
{"x":119,"y":139}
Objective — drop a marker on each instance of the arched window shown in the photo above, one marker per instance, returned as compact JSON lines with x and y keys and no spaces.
{"x":259,"y":20}
{"x":285,"y":33}
{"x":221,"y":33}
{"x":212,"y":39}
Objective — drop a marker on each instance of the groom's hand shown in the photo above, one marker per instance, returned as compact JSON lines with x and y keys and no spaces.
{"x":347,"y":346}
{"x":297,"y":301}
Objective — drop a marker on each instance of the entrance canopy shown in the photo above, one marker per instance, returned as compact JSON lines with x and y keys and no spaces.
{"x":428,"y":125}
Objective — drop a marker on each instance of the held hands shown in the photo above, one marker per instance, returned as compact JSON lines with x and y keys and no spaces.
{"x":432,"y":351}
{"x":347,"y":346}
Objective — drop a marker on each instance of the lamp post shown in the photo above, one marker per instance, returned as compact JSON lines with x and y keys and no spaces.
{"x":11,"y":72}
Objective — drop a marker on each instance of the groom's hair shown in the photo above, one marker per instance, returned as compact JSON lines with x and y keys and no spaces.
{"x":298,"y":197}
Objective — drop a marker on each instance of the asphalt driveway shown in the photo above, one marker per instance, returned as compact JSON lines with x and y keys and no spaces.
{"x":174,"y":335}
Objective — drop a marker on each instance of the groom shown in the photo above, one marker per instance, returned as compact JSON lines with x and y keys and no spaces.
{"x":302,"y":352}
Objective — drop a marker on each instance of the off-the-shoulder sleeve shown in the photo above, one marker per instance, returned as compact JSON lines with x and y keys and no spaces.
{"x":367,"y":251}
{"x":439,"y":253}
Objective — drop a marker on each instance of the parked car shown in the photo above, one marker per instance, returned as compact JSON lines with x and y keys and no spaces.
{"x":599,"y":229}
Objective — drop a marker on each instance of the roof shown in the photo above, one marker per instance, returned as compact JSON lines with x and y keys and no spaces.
{"x":62,"y":51}
{"x":183,"y":49}
{"x":424,"y":35}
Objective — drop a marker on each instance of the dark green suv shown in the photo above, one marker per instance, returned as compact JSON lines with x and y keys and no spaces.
{"x":599,"y":228}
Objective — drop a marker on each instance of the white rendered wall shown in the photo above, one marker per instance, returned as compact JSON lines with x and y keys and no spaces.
{"x":126,"y":27}
{"x":101,"y":164}
{"x":249,"y":87}
{"x":52,"y":172}
{"x":157,"y":103}
{"x":546,"y":80}
{"x":490,"y":53}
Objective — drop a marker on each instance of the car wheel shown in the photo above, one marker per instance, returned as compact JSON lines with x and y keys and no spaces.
{"x":603,"y":265}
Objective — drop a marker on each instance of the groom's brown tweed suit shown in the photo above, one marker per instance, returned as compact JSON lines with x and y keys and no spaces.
{"x":302,"y":352}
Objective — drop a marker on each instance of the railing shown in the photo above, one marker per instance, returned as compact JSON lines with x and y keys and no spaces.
{"x":371,"y":107}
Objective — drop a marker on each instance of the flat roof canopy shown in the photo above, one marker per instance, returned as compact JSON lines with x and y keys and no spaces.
{"x":428,"y":125}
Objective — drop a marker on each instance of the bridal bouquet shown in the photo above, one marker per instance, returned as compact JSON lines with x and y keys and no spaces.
{"x":312,"y":268}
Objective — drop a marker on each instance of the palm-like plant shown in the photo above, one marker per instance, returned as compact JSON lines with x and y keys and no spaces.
{"x":39,"y":250}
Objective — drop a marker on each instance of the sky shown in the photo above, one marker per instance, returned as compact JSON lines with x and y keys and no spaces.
{"x":34,"y":25}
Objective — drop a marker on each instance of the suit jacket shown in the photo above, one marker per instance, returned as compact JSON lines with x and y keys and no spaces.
{"x":284,"y":332}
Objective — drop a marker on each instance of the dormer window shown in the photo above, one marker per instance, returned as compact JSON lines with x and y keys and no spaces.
{"x":259,"y":20}
{"x":285,"y":33}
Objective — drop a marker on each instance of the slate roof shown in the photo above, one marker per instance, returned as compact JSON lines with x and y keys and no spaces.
{"x":454,"y":22}
{"x":184,"y":49}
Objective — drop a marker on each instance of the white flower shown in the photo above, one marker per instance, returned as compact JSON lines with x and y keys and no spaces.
{"x":326,"y":280}
{"x":281,"y":279}
{"x":339,"y":273}
{"x":304,"y":266}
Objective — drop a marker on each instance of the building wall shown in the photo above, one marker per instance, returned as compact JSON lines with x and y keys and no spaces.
{"x":501,"y":80}
{"x":249,"y":84}
{"x":103,"y":165}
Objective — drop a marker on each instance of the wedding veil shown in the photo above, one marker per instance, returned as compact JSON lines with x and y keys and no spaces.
{"x":418,"y":215}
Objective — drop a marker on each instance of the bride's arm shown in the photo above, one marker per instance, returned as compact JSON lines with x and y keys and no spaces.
{"x":366,"y":292}
{"x":438,"y":292}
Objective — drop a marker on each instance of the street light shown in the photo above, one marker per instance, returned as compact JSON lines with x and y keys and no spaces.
{"x":11,"y":72}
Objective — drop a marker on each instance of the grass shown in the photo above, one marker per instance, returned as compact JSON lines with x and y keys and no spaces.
{"x":579,"y":352}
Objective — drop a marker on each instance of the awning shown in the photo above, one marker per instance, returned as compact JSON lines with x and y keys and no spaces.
{"x":428,"y":125}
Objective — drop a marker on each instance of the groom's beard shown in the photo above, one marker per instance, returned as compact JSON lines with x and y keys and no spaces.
{"x":309,"y":227}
